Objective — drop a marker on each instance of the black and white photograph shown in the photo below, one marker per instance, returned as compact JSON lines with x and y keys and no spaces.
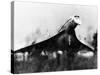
{"x":51,"y":37}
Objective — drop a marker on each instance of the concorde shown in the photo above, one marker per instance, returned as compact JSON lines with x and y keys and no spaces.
{"x":66,"y":39}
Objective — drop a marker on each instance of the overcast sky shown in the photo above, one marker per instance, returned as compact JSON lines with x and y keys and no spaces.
{"x":47,"y":18}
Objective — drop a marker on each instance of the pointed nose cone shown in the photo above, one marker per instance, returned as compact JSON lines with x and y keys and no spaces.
{"x":77,"y":19}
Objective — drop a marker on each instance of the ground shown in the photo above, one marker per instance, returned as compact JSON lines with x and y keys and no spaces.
{"x":40,"y":64}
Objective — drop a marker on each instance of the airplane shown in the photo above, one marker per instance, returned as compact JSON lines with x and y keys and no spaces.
{"x":65,"y":40}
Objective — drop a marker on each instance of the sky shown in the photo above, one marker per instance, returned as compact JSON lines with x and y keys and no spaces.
{"x":35,"y":21}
